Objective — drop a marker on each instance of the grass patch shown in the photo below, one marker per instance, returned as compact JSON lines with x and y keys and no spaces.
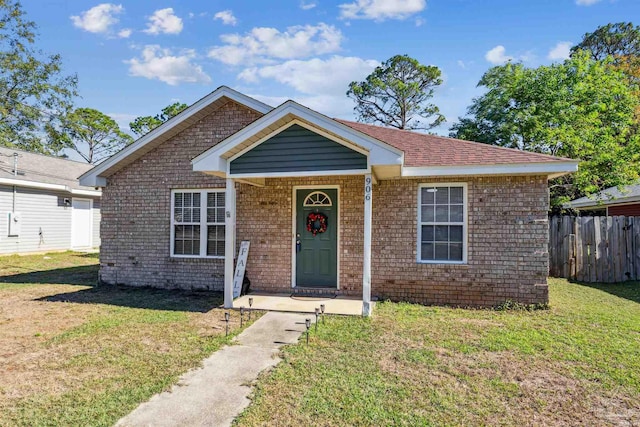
{"x":576,"y":362}
{"x":78,"y":354}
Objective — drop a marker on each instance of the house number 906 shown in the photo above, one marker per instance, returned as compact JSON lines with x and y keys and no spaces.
{"x":367,"y":188}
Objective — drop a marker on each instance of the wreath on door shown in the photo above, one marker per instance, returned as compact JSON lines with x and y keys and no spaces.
{"x":316,"y":223}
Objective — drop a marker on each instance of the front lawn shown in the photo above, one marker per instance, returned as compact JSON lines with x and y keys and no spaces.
{"x":577,"y":363}
{"x":72,"y":353}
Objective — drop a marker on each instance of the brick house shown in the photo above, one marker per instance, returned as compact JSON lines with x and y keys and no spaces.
{"x":350,"y":208}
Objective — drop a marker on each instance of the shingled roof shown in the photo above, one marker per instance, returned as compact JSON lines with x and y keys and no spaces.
{"x":38,"y":168}
{"x":609,"y":196}
{"x":422,"y":149}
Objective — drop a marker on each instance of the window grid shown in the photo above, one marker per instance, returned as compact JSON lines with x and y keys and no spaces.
{"x":442,"y":223}
{"x":198,"y":223}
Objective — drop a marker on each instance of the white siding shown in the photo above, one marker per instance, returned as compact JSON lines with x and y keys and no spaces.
{"x":96,"y":223}
{"x":46,"y":221}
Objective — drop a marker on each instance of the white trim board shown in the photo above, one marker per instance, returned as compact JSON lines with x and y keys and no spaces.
{"x":203,"y":223}
{"x":47,"y":186}
{"x":465,"y":226}
{"x":548,"y":168}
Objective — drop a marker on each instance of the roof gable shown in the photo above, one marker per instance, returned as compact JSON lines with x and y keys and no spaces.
{"x":189,"y":116}
{"x":297,"y":149}
{"x":216,"y":160}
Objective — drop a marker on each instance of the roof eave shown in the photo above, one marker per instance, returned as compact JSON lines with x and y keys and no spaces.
{"x":48,"y":186}
{"x":550,"y":169}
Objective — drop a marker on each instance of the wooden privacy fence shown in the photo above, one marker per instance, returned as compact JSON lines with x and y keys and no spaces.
{"x":602,"y":249}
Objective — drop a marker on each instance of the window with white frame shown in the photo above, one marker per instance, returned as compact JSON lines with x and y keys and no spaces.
{"x":442,"y":223}
{"x":197,"y":222}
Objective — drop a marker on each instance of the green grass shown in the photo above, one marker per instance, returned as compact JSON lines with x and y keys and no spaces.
{"x":576,"y":363}
{"x":78,"y":354}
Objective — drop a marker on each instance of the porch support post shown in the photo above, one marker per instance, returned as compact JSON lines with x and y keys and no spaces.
{"x":229,"y":241}
{"x":366,"y":262}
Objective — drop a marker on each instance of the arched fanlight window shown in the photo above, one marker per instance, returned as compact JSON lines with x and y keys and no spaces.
{"x":317,"y":199}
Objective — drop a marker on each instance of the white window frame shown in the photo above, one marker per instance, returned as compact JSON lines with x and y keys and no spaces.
{"x":465,"y":217}
{"x":203,"y":222}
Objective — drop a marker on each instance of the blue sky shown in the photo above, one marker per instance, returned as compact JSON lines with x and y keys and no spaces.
{"x":134,"y":57}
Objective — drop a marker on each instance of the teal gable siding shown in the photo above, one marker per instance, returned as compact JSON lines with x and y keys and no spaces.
{"x":297,"y":149}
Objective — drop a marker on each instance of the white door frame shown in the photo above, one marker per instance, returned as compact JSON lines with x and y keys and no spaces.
{"x":294,"y":212}
{"x":73,"y":231}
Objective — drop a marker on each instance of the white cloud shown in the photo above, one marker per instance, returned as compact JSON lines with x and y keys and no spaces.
{"x":315,"y":76}
{"x":164,"y":21}
{"x":123,"y":119}
{"x":226,"y":16}
{"x":561,"y":51}
{"x":586,"y":2}
{"x":125,"y":33}
{"x":419,"y":21}
{"x":98,"y":19}
{"x":158,"y":63}
{"x":264,"y":44}
{"x":461,"y":64}
{"x":307,"y":5}
{"x":379,"y":10}
{"x":497,"y":55}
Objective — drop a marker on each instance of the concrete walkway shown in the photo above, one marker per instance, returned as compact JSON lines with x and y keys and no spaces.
{"x":216,"y":393}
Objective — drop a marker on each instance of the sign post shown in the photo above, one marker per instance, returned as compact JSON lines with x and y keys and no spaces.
{"x":240,"y":268}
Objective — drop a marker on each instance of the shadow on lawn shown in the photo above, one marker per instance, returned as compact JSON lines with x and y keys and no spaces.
{"x":86,"y":275}
{"x":626,"y":290}
{"x":148,"y":298}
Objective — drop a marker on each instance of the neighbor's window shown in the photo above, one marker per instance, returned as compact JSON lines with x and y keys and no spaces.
{"x":442,"y":223}
{"x":198,"y":223}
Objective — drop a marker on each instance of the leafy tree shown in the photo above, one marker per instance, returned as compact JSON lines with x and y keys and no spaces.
{"x":396,"y":94}
{"x":146,"y":124}
{"x":620,"y":40}
{"x":90,"y":133}
{"x":33,"y":90}
{"x":581,"y":109}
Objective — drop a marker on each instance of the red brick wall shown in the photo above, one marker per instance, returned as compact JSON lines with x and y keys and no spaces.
{"x":136,"y":209}
{"x":269,"y":264}
{"x":507,"y":253}
{"x":508,"y":238}
{"x":508,"y":231}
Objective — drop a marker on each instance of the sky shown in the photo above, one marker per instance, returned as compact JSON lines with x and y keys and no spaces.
{"x":133,"y":58}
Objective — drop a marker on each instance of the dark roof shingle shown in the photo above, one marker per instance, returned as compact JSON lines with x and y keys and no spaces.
{"x":44,"y":169}
{"x":422,"y":149}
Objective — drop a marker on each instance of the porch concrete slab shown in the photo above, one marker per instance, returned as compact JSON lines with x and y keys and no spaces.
{"x":216,"y":393}
{"x":300,"y":304}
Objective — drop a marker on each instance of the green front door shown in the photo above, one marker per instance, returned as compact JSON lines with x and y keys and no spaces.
{"x":317,"y":256}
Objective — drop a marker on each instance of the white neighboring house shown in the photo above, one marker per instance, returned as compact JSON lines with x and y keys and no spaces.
{"x":43,"y":207}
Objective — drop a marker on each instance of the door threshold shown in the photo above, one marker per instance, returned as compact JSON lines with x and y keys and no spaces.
{"x":315,"y":291}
